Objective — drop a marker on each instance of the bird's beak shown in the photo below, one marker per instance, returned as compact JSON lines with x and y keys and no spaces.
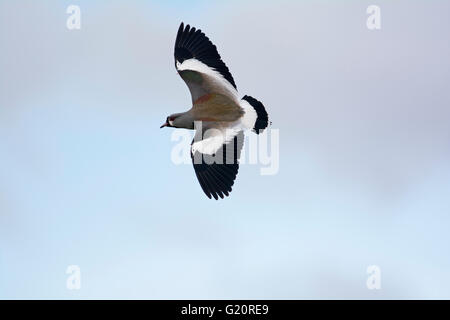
{"x":164,"y":125}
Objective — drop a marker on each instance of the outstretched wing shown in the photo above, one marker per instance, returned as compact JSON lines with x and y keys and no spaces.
{"x":217,"y":171}
{"x":199,"y":64}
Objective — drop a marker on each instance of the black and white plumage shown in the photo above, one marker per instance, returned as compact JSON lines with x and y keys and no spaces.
{"x":191,"y":43}
{"x":216,"y":105}
{"x":217,"y":177}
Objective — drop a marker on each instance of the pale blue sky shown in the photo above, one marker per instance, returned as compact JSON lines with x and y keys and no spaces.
{"x":86,"y":176}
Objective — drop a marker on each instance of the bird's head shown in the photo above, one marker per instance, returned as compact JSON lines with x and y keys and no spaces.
{"x":174,"y":120}
{"x":168,"y":123}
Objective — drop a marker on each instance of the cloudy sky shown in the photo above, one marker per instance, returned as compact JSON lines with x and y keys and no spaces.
{"x":86,"y":176}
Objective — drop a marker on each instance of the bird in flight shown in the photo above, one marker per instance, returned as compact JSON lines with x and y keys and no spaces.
{"x":217,"y":115}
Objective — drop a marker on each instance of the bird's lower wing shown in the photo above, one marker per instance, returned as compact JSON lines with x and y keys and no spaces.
{"x":216,"y":171}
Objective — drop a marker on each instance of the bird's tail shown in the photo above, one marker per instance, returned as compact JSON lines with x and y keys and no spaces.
{"x":256,"y":115}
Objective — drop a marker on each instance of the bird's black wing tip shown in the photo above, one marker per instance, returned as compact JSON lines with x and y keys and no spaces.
{"x":193,"y":43}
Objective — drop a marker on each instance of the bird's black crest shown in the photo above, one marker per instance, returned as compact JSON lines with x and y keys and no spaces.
{"x":193,"y":43}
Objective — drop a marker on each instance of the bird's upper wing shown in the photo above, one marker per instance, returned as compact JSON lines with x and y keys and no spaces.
{"x":199,"y":64}
{"x":216,"y":161}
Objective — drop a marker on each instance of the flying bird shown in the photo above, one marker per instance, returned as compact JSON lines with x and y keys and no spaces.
{"x":217,"y":114}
